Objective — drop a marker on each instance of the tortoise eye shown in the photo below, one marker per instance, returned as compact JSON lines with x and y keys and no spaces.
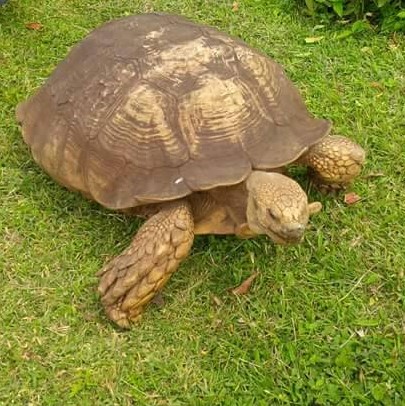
{"x":271,"y":214}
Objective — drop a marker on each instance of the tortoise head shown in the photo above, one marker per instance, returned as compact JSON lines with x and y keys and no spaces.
{"x":277,"y":206}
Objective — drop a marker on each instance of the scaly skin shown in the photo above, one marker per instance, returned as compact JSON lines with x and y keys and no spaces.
{"x":335,"y":162}
{"x":132,"y":279}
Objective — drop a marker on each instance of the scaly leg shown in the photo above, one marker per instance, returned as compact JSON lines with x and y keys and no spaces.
{"x":335,"y":162}
{"x":130,"y":280}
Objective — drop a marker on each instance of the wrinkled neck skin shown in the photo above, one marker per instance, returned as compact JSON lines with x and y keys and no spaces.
{"x":251,"y":217}
{"x":276,"y":206}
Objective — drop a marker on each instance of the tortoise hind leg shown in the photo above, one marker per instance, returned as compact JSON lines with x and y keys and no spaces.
{"x":131,"y":280}
{"x":335,"y":162}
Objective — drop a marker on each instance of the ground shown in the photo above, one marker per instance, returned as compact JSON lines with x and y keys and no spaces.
{"x":323,"y":323}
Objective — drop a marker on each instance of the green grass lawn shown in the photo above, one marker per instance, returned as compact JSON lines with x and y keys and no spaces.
{"x":323,"y":324}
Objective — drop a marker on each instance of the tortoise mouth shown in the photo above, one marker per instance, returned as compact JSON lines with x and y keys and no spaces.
{"x":285,"y":239}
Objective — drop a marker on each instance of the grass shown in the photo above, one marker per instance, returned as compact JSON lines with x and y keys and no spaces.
{"x":324,"y":323}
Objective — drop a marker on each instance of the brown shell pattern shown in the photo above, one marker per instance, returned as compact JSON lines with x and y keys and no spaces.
{"x":153,"y":107}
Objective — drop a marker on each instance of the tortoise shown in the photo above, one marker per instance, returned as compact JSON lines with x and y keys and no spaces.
{"x":187,"y":127}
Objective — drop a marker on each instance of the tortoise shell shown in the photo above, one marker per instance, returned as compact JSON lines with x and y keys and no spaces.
{"x":153,"y":107}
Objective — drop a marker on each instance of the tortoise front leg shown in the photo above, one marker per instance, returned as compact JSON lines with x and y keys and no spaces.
{"x":335,"y":162}
{"x":130,"y":280}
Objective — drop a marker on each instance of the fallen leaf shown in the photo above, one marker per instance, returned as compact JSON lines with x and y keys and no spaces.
{"x":244,"y":287}
{"x":351,"y":198}
{"x":217,"y":301}
{"x":235,"y":6}
{"x":312,"y":40}
{"x":34,"y":26}
{"x":374,"y":175}
{"x":377,"y":85}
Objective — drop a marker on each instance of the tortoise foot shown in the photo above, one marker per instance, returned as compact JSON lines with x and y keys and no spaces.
{"x":130,"y":281}
{"x":334,"y":163}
